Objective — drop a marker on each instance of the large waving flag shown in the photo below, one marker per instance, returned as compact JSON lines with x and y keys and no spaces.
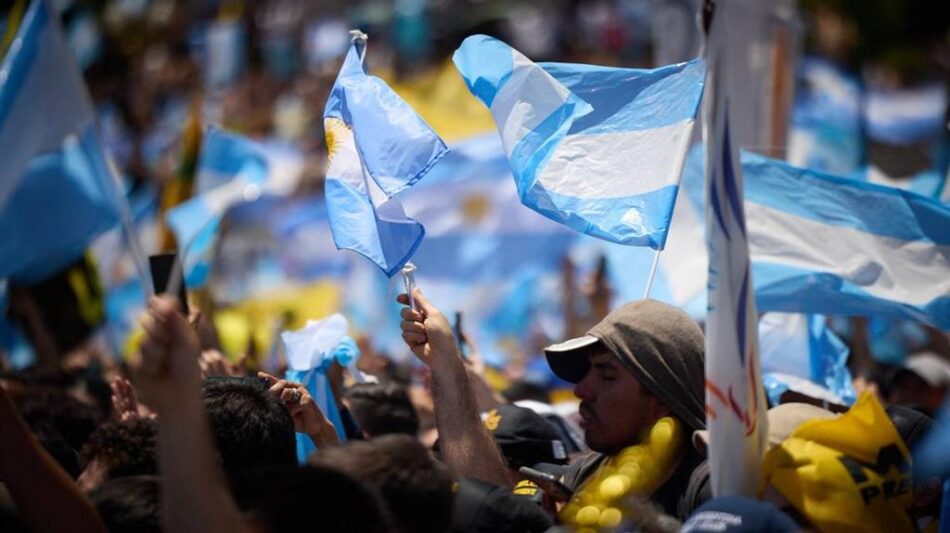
{"x":598,"y":149}
{"x":57,"y":191}
{"x":735,"y":398}
{"x":836,"y":246}
{"x":378,"y":147}
{"x":232,"y":170}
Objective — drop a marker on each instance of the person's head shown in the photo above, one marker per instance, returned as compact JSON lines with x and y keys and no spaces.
{"x":524,"y":437}
{"x":483,"y":507}
{"x":416,"y":488}
{"x":129,"y":504}
{"x":642,"y":362}
{"x":302,"y":498}
{"x":250,"y":427}
{"x":382,"y":409}
{"x":119,"y":449}
{"x":922,"y":383}
{"x":62,"y":424}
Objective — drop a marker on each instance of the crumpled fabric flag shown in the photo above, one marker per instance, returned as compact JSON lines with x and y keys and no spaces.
{"x":310,"y":352}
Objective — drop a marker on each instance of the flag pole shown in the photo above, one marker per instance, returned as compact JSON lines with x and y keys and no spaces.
{"x":656,"y":262}
{"x":125,"y":218}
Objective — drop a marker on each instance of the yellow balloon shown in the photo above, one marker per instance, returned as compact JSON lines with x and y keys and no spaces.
{"x":610,"y":517}
{"x":588,"y":516}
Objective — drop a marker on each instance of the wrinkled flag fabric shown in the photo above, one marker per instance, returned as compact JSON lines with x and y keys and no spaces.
{"x":377,"y":147}
{"x":598,"y":149}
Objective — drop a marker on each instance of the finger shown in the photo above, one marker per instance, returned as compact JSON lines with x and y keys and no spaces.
{"x":403,"y":299}
{"x":423,"y":303}
{"x":413,"y":327}
{"x":153,"y":330}
{"x":408,"y":313}
{"x":290,"y":395}
{"x":413,"y":339}
{"x":276,"y":388}
{"x":271,"y":380}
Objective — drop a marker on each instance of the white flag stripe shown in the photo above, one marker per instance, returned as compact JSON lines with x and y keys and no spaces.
{"x":889,"y":268}
{"x":575,"y":168}
{"x":517,"y":117}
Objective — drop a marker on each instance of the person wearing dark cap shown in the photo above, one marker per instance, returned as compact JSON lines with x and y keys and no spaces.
{"x":641,"y":365}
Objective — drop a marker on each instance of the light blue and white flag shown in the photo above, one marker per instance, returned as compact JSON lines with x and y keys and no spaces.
{"x":735,"y":398}
{"x":232,"y":169}
{"x":836,"y":246}
{"x":598,"y":149}
{"x":377,"y":147}
{"x":802,"y":346}
{"x":57,"y":191}
{"x":906,"y":116}
{"x":310,"y":352}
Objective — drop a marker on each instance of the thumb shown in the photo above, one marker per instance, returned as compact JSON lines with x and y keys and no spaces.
{"x":166,"y":311}
{"x":424,"y":304}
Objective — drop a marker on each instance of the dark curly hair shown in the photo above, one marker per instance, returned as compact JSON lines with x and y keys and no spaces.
{"x":416,"y":488}
{"x":250,"y":427}
{"x":126,"y":448}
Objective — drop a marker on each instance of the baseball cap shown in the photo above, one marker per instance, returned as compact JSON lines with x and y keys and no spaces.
{"x":783,"y":420}
{"x":659,"y":344}
{"x":737,"y":514}
{"x":524,"y":437}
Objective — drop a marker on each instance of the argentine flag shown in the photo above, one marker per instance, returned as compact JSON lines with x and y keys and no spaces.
{"x":598,"y":149}
{"x":57,"y":190}
{"x":837,"y":246}
{"x":377,"y":147}
{"x":232,"y":169}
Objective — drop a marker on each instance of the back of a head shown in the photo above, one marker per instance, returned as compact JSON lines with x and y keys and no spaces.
{"x":417,"y":489}
{"x":383,"y":409}
{"x":129,"y":504}
{"x":125,"y":448}
{"x":250,"y":427}
{"x":483,"y":507}
{"x":291,"y":498}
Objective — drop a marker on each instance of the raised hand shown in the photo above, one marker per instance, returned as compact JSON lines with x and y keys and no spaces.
{"x":166,"y":365}
{"x":426,"y":331}
{"x":125,"y":405}
{"x":307,"y":416}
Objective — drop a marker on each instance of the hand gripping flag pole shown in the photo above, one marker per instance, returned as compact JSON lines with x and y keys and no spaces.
{"x":409,"y":279}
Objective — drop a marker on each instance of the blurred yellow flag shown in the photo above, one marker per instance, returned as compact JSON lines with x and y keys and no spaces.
{"x":442,"y":99}
{"x":851,"y":473}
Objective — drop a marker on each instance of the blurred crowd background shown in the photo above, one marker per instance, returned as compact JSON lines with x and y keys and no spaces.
{"x":830,"y":76}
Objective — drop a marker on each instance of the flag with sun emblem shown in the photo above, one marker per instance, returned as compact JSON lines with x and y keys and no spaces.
{"x":377,"y":147}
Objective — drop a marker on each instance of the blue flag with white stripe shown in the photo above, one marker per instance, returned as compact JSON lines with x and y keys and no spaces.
{"x":232,"y":169}
{"x":377,"y":147}
{"x":598,"y":149}
{"x":57,"y":190}
{"x":837,"y":246}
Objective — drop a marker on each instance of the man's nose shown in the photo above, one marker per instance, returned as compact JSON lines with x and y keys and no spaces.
{"x":584,"y":389}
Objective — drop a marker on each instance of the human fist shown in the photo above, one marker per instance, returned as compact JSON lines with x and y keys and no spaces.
{"x":166,"y":365}
{"x":306,"y":414}
{"x":426,"y":331}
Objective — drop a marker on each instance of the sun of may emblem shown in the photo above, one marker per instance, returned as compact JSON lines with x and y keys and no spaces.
{"x":336,"y":131}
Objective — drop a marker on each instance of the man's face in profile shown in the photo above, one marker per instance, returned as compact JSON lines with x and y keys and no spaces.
{"x":614,"y":406}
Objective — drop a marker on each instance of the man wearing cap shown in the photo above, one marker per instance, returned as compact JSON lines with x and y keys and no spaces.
{"x":642,"y":362}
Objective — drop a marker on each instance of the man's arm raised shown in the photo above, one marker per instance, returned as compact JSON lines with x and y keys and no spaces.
{"x":465,"y":442}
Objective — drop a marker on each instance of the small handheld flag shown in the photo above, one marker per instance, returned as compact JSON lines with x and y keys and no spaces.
{"x":377,"y":147}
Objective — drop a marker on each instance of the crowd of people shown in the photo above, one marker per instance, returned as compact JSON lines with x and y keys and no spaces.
{"x":175,"y":442}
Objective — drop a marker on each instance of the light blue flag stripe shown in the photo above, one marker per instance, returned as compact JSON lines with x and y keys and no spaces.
{"x":597,"y":149}
{"x":835,"y":246}
{"x":844,"y":202}
{"x":56,"y":188}
{"x":378,"y":147}
{"x":232,"y":169}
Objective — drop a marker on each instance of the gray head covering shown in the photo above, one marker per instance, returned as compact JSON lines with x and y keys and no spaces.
{"x":659,"y":344}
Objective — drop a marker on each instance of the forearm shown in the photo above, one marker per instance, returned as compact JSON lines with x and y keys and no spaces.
{"x":466,"y":445}
{"x":37,"y":484}
{"x":195,"y":496}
